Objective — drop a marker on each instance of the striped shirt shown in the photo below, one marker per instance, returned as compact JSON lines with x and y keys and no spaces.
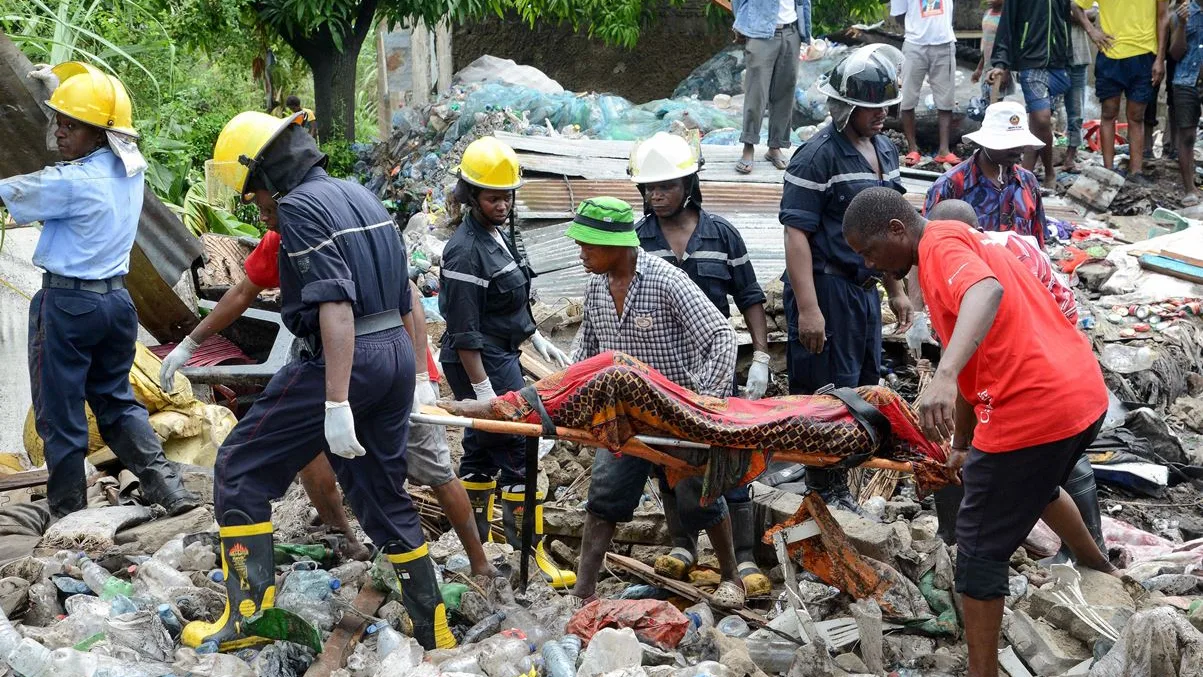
{"x":716,"y":259}
{"x":666,"y":322}
{"x":822,"y":178}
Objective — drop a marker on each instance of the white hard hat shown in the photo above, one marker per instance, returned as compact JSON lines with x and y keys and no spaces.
{"x":663,"y":157}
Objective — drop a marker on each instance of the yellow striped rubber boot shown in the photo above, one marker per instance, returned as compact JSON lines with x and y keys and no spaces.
{"x":420,"y":595}
{"x":745,"y":534}
{"x":512,"y":507}
{"x":678,"y":562}
{"x":250,"y":575}
{"x":481,"y":495}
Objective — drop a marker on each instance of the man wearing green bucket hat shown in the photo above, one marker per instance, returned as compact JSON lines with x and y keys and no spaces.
{"x":639,"y":304}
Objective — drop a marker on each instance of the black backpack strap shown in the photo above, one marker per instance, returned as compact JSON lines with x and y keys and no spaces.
{"x":531,"y":395}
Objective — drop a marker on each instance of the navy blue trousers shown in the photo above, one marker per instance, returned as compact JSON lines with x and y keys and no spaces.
{"x":285,"y":430}
{"x":81,"y":347}
{"x":487,"y":455}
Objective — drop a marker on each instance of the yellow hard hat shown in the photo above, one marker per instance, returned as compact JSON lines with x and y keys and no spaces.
{"x":89,"y":95}
{"x":489,"y":162}
{"x":243,"y":140}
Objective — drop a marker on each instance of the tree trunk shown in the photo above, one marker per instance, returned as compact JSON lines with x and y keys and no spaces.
{"x":334,"y":91}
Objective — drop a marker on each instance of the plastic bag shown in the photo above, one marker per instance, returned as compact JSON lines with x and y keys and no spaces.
{"x":654,"y":621}
{"x":143,"y":632}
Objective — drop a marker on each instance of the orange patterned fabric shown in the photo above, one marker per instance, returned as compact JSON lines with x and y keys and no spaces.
{"x":614,"y":397}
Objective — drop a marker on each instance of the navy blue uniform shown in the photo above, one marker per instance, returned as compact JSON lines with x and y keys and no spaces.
{"x":822,"y":178}
{"x":485,"y":298}
{"x":338,"y":244}
{"x":716,"y":259}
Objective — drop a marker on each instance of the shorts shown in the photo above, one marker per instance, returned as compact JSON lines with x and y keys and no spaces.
{"x":938,"y":63}
{"x":429,"y":455}
{"x":1186,"y":106}
{"x":1131,"y":77}
{"x":1041,"y":85}
{"x":617,"y":489}
{"x":1005,"y":495}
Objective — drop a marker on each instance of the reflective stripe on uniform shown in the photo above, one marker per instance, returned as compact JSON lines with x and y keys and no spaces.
{"x":464,"y":277}
{"x":338,"y":233}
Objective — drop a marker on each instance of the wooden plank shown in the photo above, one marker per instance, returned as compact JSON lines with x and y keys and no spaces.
{"x":347,"y":633}
{"x":681,"y":588}
{"x":24,"y":480}
{"x":1172,"y":267}
{"x":1187,"y":251}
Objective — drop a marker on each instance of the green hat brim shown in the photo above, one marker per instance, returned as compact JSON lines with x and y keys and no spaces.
{"x":604,"y":238}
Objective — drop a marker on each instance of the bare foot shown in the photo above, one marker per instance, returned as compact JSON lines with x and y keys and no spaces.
{"x":355,"y":550}
{"x":466,"y":408}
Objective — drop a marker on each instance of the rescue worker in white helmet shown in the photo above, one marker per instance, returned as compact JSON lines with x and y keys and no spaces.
{"x":82,"y":324}
{"x":711,"y":251}
{"x":485,"y":284}
{"x":831,"y":299}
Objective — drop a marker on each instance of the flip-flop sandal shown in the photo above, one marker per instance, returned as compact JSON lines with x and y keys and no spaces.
{"x":778,"y":161}
{"x":912,"y":158}
{"x":949,"y":158}
{"x":743,"y":166}
{"x":1190,"y":200}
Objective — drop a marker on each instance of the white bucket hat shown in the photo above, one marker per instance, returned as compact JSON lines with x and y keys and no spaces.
{"x":1004,"y":127}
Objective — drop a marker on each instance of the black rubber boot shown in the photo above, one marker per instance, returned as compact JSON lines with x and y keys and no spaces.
{"x":832,"y":486}
{"x":512,"y":507}
{"x":481,"y":492}
{"x":745,"y":534}
{"x":420,"y":595}
{"x":677,"y":563}
{"x":139,"y":450}
{"x":1084,"y":492}
{"x":948,"y":504}
{"x":250,"y":575}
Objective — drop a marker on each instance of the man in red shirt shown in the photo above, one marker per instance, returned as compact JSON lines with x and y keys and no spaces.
{"x":1007,"y":344}
{"x":429,"y":455}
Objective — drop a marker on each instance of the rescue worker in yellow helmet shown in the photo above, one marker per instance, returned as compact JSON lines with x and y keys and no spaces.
{"x":83,"y":326}
{"x":712,"y":252}
{"x":485,"y":296}
{"x":350,"y":392}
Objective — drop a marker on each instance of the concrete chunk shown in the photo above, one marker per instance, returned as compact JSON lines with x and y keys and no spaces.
{"x":1045,"y":649}
{"x":882,"y":542}
{"x":1096,"y":187}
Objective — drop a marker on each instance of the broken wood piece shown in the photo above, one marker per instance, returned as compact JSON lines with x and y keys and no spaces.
{"x":24,"y":480}
{"x":347,"y":633}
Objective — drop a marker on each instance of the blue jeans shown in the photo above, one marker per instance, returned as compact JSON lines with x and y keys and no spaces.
{"x":1040,"y":86}
{"x":1075,"y":103}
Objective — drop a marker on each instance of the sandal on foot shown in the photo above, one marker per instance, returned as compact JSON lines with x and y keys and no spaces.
{"x":728,"y":595}
{"x":912,"y":158}
{"x":1190,"y":200}
{"x":776,"y":160}
{"x":949,"y":158}
{"x":743,"y":166}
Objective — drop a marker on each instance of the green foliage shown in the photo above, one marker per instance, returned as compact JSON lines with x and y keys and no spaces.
{"x":201,"y":217}
{"x":341,"y":160}
{"x":833,"y":16}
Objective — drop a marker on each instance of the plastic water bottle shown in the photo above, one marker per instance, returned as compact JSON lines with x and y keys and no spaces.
{"x":387,"y":640}
{"x":171,"y":552}
{"x":122,"y":605}
{"x":771,"y":654}
{"x":572,"y":648}
{"x":486,"y":627}
{"x":734,"y":626}
{"x":701,"y":616}
{"x":503,"y":652}
{"x":103,"y":583}
{"x":556,"y":660}
{"x":170,"y":621}
{"x":156,"y":578}
{"x":9,"y":637}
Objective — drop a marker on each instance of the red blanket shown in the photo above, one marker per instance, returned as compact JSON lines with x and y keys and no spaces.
{"x":614,"y":397}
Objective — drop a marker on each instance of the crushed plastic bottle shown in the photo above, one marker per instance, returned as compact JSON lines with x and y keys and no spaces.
{"x":197,"y":556}
{"x":31,"y":659}
{"x":314,"y":584}
{"x":170,"y":620}
{"x":1126,"y":359}
{"x":556,"y":661}
{"x":387,"y":639}
{"x":100,"y":581}
{"x":700,"y":615}
{"x":170,"y":552}
{"x":734,"y":626}
{"x":572,"y":647}
{"x":773,"y":655}
{"x":154,"y":578}
{"x":486,"y":627}
{"x":500,"y":656}
{"x":122,"y":605}
{"x":9,"y":637}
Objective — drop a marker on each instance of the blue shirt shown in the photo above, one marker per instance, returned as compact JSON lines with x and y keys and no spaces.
{"x":823,"y":176}
{"x":1188,"y":68}
{"x":337,"y":243}
{"x":758,"y":18}
{"x":89,"y":211}
{"x":716,"y":259}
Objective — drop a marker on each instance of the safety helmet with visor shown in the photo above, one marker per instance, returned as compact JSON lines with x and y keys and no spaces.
{"x":867,"y":78}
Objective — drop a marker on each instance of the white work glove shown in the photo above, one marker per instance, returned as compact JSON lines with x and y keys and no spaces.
{"x":549,"y":352}
{"x":919,"y":333}
{"x":484,"y":390}
{"x":45,"y":73}
{"x":424,"y":390}
{"x":758,"y":376}
{"x":177,"y":358}
{"x":340,"y":431}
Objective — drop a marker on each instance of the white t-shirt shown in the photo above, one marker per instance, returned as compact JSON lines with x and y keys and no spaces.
{"x":787,"y":13}
{"x":928,"y":22}
{"x":496,"y":233}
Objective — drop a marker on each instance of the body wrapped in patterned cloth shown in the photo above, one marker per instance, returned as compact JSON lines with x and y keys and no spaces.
{"x":614,"y":397}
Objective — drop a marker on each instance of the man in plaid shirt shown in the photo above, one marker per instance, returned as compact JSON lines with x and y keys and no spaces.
{"x":638,"y":304}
